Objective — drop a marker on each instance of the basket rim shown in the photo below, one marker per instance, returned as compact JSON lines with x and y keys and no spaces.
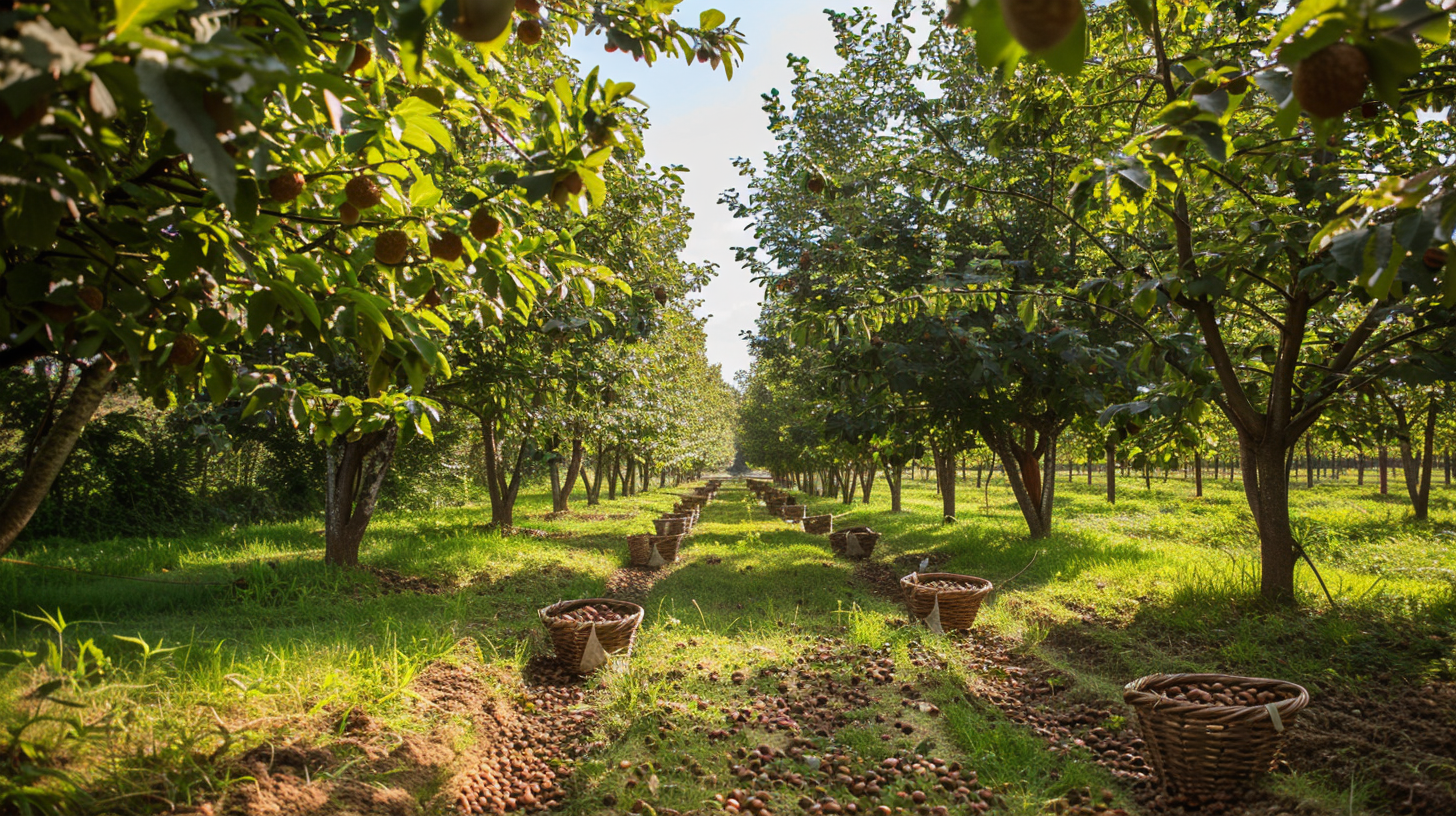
{"x":913,"y":580}
{"x":551,"y":613}
{"x":1136,"y":694}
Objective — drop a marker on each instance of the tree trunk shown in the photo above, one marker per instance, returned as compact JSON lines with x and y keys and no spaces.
{"x":561,"y":498}
{"x":51,"y":454}
{"x":1417,"y":471}
{"x":504,"y":486}
{"x":613,"y":473}
{"x":1031,"y":471}
{"x":847,"y":476}
{"x":354,"y":473}
{"x":892,"y":480}
{"x":867,"y":480}
{"x":1198,"y":474}
{"x":945,"y":480}
{"x":1308,"y":461}
{"x":1384,"y":470}
{"x":1360,"y":466}
{"x":1266,"y":486}
{"x":1111,"y":472}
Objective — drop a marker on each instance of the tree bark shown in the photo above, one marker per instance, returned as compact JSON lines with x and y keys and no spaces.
{"x":1198,"y":474}
{"x":504,"y":487}
{"x":1266,"y":486}
{"x":1111,"y":472}
{"x":867,"y":480}
{"x":945,"y":480}
{"x":1031,"y":471}
{"x":892,"y":480}
{"x":561,"y":497}
{"x":51,"y":454}
{"x":1308,"y":461}
{"x":1417,"y":471}
{"x":1384,"y":470}
{"x":354,"y":473}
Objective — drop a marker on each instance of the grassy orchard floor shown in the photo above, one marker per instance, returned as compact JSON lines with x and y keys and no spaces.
{"x":1158,"y":582}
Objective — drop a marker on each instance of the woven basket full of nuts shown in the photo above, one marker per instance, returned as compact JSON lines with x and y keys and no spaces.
{"x":1206,"y":733}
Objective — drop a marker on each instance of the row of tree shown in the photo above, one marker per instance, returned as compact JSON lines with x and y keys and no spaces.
{"x":1150,"y":229}
{"x":343,"y":217}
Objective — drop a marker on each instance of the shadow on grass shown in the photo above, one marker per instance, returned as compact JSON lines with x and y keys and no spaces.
{"x":1219,"y":623}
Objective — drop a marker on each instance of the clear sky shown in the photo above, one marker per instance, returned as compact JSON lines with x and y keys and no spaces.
{"x":702,"y":121}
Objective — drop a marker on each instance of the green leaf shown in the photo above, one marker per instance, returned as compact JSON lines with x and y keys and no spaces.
{"x":1308,"y":10}
{"x":423,"y":193}
{"x":1070,"y":54}
{"x":131,"y":15}
{"x":177,"y":98}
{"x":712,"y":18}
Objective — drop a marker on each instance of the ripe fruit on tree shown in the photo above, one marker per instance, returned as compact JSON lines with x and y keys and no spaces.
{"x":1331,"y":80}
{"x":348,"y":214}
{"x":704,"y":54}
{"x":432,"y":298}
{"x":362,"y":56}
{"x":91,"y":297}
{"x":1435,"y":258}
{"x":484,"y":225}
{"x":1040,"y":25}
{"x":816,"y":185}
{"x":447,"y":247}
{"x":362,"y":192}
{"x":481,"y":20}
{"x":185,"y":350}
{"x":573,"y":182}
{"x":286,"y":186}
{"x":391,"y":247}
{"x":661,"y":294}
{"x":531,"y":7}
{"x":529,"y":32}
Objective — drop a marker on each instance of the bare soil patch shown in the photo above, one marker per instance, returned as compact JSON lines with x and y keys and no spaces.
{"x":392,"y":582}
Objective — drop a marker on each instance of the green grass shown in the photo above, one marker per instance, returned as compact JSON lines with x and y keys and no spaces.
{"x":1157,"y":582}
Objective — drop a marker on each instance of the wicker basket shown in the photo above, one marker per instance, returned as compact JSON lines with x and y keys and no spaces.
{"x":1202,"y":749}
{"x":819,"y":525}
{"x":775,"y":502}
{"x":673,"y":525}
{"x":681,"y":509}
{"x":943,"y":609}
{"x":694,"y":502}
{"x":862,"y":544}
{"x":640,"y":549}
{"x":792,"y":512}
{"x":573,"y":639}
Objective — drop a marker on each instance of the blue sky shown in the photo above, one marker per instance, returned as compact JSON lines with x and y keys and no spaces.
{"x":703,"y":121}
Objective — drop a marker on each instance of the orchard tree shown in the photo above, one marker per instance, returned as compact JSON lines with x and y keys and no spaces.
{"x":178,"y":183}
{"x":1219,"y":199}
